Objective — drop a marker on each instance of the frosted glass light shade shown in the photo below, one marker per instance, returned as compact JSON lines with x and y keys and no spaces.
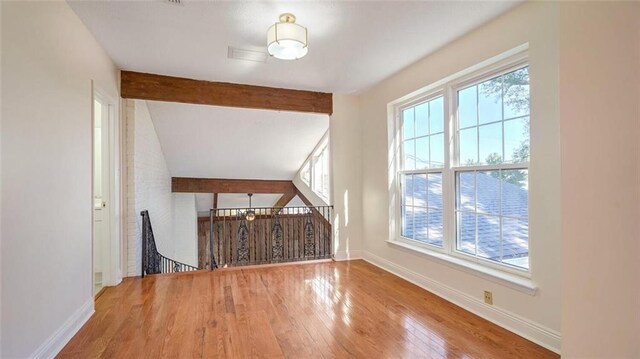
{"x":287,"y":41}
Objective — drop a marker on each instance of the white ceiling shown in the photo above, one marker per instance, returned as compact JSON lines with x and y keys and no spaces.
{"x":352,"y":45}
{"x":221,"y":142}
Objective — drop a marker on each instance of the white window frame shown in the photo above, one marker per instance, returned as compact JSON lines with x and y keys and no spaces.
{"x":306,"y":167}
{"x":431,"y":95}
{"x":448,"y":87}
{"x":316,"y":155}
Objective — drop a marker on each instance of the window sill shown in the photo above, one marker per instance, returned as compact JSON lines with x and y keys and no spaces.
{"x":521,"y":284}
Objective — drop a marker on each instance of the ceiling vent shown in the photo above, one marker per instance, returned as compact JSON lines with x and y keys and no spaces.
{"x":247,"y":55}
{"x":173,"y":2}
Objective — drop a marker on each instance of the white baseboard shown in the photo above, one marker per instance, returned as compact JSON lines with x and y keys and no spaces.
{"x":347,"y":255}
{"x":534,"y":332}
{"x":54,"y":344}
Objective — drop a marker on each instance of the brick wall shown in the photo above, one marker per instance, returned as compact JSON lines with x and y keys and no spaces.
{"x":149,"y":186}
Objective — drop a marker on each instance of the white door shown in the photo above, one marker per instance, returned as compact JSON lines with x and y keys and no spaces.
{"x":101,"y":187}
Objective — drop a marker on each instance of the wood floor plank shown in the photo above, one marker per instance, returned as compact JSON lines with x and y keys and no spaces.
{"x":320,"y":310}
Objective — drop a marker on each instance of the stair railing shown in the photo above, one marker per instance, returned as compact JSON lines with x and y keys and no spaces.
{"x":275,"y":235}
{"x":152,"y":261}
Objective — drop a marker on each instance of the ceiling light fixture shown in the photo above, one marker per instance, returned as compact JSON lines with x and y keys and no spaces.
{"x":250,"y":214}
{"x":287,"y":40}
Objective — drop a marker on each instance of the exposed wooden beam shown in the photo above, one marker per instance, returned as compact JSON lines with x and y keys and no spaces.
{"x":220,"y":185}
{"x":315,"y":212}
{"x":142,"y":86}
{"x":285,"y":199}
{"x":304,"y":199}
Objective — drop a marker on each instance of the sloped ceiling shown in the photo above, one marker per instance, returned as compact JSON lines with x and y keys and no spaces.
{"x":220,"y":142}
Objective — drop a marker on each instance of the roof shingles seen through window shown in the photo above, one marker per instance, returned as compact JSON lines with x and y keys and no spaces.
{"x":513,"y":243}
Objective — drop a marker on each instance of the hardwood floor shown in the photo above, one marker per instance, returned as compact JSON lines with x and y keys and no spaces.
{"x":335,"y":309}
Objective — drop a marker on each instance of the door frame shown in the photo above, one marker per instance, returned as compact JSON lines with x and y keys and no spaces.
{"x":114,"y":202}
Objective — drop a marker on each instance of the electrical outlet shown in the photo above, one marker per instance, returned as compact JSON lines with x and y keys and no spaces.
{"x":488,"y":297}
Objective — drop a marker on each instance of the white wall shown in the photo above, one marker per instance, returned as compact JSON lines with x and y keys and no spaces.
{"x":149,"y":186}
{"x":346,"y":168}
{"x":48,"y":61}
{"x":1,"y":61}
{"x":600,"y":132}
{"x":535,"y":316}
{"x":185,"y":228}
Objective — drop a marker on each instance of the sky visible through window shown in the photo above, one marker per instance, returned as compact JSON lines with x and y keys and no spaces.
{"x":423,"y":134}
{"x":493,"y":120}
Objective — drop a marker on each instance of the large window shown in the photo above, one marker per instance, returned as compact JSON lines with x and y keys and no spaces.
{"x":463,"y":169}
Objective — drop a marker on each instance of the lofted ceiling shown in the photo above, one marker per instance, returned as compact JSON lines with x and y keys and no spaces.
{"x":352,"y":45}
{"x":221,"y":142}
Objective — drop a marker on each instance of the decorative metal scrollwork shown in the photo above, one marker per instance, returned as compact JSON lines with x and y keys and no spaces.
{"x":243,"y":240}
{"x":276,"y":240}
{"x":152,"y":263}
{"x":309,"y":240}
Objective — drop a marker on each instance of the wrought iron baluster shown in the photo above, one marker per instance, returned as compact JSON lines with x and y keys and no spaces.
{"x":212,"y":258}
{"x":276,"y":241}
{"x":219,"y":239}
{"x":321,"y":229}
{"x":309,"y":244}
{"x":294,"y":236}
{"x":316,"y":237}
{"x":143,"y":262}
{"x":327,"y":242}
{"x":276,"y":235}
{"x":243,"y":241}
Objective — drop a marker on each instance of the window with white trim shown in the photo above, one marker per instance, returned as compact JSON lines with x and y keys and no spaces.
{"x":315,"y":171}
{"x":421,"y":174}
{"x":305,"y":173}
{"x":320,"y":170}
{"x":464,"y":165}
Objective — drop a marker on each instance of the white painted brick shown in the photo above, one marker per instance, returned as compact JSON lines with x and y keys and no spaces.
{"x":149,"y":185}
